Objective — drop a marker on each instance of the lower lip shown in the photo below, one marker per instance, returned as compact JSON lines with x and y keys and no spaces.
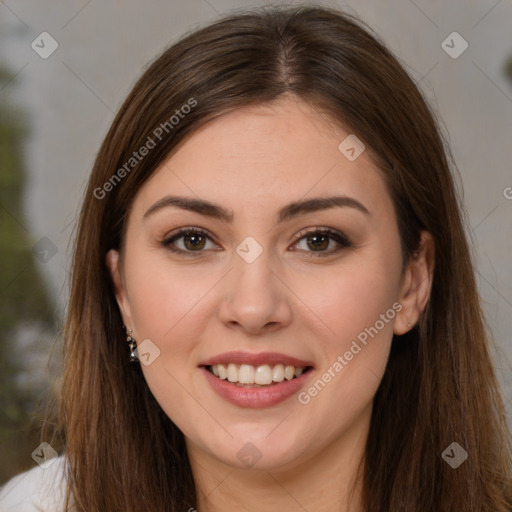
{"x":255,"y":397}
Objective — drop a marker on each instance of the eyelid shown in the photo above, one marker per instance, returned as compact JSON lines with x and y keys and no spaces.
{"x":186,"y":230}
{"x":327,"y":231}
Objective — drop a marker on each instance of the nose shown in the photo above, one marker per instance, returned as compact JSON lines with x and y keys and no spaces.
{"x":254,"y":297}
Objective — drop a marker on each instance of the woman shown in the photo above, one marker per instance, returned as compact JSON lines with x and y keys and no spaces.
{"x":273,"y":304}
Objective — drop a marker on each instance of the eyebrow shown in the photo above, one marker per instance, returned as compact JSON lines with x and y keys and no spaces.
{"x":288,"y":212}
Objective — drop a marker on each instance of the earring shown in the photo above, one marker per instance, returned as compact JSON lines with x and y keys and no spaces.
{"x":409,"y":324}
{"x":132,"y":344}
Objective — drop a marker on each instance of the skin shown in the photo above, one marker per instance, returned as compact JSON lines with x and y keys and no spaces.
{"x":253,"y":161}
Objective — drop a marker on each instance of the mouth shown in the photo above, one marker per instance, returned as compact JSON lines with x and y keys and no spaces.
{"x":261,"y":376}
{"x":253,"y":380}
{"x":258,"y":391}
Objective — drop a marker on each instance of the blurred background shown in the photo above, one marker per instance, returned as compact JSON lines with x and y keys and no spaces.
{"x":65,"y":68}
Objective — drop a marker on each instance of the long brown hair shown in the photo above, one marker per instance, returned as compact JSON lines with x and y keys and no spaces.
{"x":439,"y":387}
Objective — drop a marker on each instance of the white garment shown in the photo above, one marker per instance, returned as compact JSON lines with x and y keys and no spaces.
{"x":36,"y":490}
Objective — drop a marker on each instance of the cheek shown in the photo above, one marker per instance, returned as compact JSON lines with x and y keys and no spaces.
{"x":163,"y":297}
{"x":350,"y":299}
{"x":167,"y":305}
{"x":354,"y":311}
{"x":358,"y":309}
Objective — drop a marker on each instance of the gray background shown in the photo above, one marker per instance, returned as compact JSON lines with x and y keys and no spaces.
{"x":71,"y":98}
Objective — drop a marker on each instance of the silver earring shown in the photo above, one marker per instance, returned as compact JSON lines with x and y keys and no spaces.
{"x":132,"y":344}
{"x":409,"y":324}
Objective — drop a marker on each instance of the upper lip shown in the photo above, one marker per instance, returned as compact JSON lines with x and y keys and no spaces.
{"x":270,"y":358}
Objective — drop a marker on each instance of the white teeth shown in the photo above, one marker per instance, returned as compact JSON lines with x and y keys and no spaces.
{"x":232,"y":373}
{"x":246,"y":374}
{"x":262,"y":375}
{"x":289,"y":372}
{"x":278,"y":373}
{"x":222,"y":371}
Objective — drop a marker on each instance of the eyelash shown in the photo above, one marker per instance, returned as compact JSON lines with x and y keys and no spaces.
{"x":338,"y":237}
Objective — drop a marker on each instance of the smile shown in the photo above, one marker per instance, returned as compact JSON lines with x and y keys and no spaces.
{"x":246,"y":375}
{"x":254,"y":395}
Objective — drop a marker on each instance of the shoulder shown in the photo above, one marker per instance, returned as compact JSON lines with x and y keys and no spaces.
{"x":39,"y":489}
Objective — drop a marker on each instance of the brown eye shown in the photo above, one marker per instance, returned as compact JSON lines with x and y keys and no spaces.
{"x":194,"y":241}
{"x":319,"y":240}
{"x":187,"y":241}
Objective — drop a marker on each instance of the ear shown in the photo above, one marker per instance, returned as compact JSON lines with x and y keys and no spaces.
{"x":113,"y":264}
{"x":416,"y":284}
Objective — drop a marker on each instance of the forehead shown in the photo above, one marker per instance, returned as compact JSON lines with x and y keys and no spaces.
{"x":259,"y":157}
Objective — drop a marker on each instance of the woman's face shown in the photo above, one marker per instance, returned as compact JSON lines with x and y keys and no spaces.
{"x":258,"y":289}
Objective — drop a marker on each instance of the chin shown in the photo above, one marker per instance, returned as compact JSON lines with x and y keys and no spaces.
{"x":254,"y":448}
